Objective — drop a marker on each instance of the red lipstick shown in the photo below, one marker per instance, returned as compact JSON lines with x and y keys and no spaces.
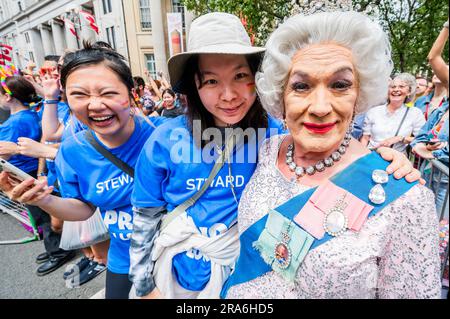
{"x":319,"y":128}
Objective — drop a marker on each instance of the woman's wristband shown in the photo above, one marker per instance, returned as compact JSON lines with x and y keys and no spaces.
{"x":51,"y":101}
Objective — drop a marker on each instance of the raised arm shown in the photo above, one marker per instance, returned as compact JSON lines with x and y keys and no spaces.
{"x":164,"y":82}
{"x":435,"y":59}
{"x":51,"y":128}
{"x":153,"y":84}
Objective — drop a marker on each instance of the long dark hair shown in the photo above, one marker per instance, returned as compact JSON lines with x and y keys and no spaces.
{"x":255,"y":118}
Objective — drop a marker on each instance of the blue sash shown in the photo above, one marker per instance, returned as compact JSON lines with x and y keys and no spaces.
{"x":356,"y":179}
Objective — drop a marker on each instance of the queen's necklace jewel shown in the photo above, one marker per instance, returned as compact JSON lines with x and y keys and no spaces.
{"x":321,"y":165}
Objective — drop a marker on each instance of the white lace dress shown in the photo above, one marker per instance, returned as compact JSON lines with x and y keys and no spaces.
{"x":395,"y":254}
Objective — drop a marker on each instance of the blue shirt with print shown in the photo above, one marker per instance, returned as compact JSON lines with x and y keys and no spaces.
{"x":424,"y":101}
{"x":424,"y":133}
{"x":358,"y":123}
{"x":63,"y":112}
{"x":86,"y":175}
{"x":170,"y":170}
{"x":21,"y":124}
{"x":38,"y":109}
{"x":63,"y":116}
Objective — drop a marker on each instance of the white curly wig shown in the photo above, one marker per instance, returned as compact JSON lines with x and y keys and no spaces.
{"x":368,"y":42}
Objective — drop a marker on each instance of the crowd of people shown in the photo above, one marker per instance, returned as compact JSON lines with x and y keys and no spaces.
{"x":223,"y":180}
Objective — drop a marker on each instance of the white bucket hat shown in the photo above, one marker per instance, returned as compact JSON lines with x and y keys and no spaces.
{"x":216,"y":32}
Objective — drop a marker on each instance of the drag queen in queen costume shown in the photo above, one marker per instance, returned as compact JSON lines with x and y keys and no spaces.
{"x":320,"y":217}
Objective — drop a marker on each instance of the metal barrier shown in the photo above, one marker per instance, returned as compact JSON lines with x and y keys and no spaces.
{"x":21,"y":213}
{"x":438,"y":175}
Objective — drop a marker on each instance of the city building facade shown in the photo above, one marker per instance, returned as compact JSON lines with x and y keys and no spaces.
{"x":147,"y":33}
{"x":36,"y":28}
{"x":137,"y":29}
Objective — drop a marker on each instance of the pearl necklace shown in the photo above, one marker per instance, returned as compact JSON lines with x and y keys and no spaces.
{"x":321,"y":165}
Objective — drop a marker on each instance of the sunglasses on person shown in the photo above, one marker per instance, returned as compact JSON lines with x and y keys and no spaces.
{"x":44,"y":71}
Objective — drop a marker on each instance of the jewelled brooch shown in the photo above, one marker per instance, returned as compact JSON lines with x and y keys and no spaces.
{"x":282,"y":251}
{"x":335,"y":222}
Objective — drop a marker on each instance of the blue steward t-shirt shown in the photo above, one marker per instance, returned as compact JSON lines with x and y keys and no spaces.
{"x":83,"y":173}
{"x":170,"y":170}
{"x":64,"y":118}
{"x":71,"y":127}
{"x":22,"y":124}
{"x":38,"y":109}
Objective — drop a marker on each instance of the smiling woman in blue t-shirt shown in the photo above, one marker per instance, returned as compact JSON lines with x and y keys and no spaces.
{"x":16,"y":94}
{"x":98,"y":84}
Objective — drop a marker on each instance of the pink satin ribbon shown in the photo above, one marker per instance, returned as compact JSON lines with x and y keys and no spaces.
{"x":312,"y":215}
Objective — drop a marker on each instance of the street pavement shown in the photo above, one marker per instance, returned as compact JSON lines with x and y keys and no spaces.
{"x":18,"y":279}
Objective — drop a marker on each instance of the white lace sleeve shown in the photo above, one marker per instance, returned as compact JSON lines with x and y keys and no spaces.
{"x":410,"y":266}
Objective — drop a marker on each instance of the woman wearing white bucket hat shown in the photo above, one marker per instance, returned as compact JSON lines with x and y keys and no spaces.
{"x":191,"y":167}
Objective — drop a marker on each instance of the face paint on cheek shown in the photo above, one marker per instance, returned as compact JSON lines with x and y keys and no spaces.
{"x":252,"y":88}
{"x":125,"y":103}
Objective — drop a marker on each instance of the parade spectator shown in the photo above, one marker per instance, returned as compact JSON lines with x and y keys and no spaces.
{"x":17,"y":94}
{"x":50,"y":66}
{"x":154,"y":86}
{"x":428,"y":103}
{"x":155,"y":89}
{"x":432,"y":143}
{"x":51,"y":130}
{"x":193,"y":252}
{"x":304,"y":221}
{"x":144,"y":95}
{"x":438,"y":64}
{"x":394,"y":124}
{"x":170,"y":109}
{"x":421,"y":88}
{"x":98,"y":85}
{"x":57,"y":124}
{"x":430,"y":88}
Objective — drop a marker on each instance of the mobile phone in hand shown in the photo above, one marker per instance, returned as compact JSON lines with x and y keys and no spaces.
{"x":16,"y":175}
{"x":432,"y":142}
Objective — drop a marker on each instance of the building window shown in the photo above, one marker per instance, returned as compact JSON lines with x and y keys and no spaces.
{"x":27,"y":37}
{"x":150,"y":64}
{"x":107,"y":6}
{"x":146,"y":19}
{"x":31,"y":56}
{"x":178,"y":7}
{"x":111,"y":36}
